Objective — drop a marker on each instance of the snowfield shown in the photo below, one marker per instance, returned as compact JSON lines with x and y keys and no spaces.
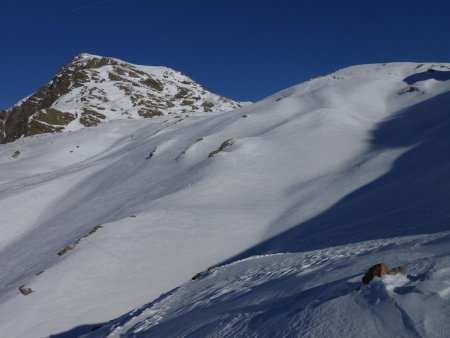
{"x":292,"y":199}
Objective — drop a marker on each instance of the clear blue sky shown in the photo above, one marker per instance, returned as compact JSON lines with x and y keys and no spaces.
{"x":243,"y":49}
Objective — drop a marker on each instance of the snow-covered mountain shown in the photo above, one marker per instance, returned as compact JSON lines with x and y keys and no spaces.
{"x":289,"y":200}
{"x":93,"y":89}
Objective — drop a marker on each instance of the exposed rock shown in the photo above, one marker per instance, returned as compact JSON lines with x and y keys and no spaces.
{"x":91,"y":118}
{"x":203,"y":273}
{"x":89,"y":84}
{"x":223,"y":146}
{"x":35,"y":127}
{"x":182,"y":92}
{"x":412,"y":89}
{"x":114,"y":77}
{"x":48,"y":120}
{"x":155,"y":84}
{"x":378,"y":270}
{"x":207,"y":106}
{"x":94,"y":229}
{"x":187,"y":103}
{"x":15,"y":119}
{"x":25,"y":290}
{"x":149,"y":113}
{"x":184,"y":151}
{"x":54,"y":116}
{"x":198,"y":275}
{"x":151,"y":154}
{"x":65,"y":250}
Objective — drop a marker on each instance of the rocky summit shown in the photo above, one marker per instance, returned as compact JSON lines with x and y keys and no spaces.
{"x":92,"y":89}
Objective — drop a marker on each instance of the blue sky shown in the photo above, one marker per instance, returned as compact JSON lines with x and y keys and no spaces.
{"x":243,"y":49}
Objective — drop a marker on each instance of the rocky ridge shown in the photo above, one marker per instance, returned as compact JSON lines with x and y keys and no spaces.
{"x":93,"y":89}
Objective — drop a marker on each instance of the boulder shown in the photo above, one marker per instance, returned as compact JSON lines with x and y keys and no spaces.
{"x":24,"y":290}
{"x":378,"y":270}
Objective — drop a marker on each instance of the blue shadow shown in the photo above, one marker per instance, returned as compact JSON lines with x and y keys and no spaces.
{"x":431,"y":73}
{"x":412,"y":198}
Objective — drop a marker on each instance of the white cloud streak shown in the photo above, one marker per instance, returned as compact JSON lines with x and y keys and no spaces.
{"x":97,"y":3}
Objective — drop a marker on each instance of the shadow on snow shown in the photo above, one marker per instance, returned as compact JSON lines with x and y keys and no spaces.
{"x":412,"y":198}
{"x":78,"y":331}
{"x":431,"y":73}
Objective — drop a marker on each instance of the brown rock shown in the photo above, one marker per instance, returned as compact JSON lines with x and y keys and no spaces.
{"x":65,"y":250}
{"x":378,"y":270}
{"x":94,"y":229}
{"x":16,"y":121}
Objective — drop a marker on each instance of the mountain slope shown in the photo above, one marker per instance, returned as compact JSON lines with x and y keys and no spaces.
{"x":349,"y":157}
{"x":312,"y":294}
{"x":93,"y":89}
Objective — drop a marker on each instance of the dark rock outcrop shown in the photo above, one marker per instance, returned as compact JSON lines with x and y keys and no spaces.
{"x":25,"y":290}
{"x":15,"y":121}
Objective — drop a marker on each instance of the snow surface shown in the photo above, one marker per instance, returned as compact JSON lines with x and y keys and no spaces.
{"x":312,"y":294}
{"x":344,"y":171}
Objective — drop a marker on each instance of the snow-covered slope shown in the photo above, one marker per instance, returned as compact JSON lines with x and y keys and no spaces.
{"x":93,"y":89}
{"x":355,"y":156}
{"x":312,"y":294}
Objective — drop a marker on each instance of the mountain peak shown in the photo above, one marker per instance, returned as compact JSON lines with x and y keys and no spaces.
{"x":92,"y":89}
{"x":89,"y":56}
